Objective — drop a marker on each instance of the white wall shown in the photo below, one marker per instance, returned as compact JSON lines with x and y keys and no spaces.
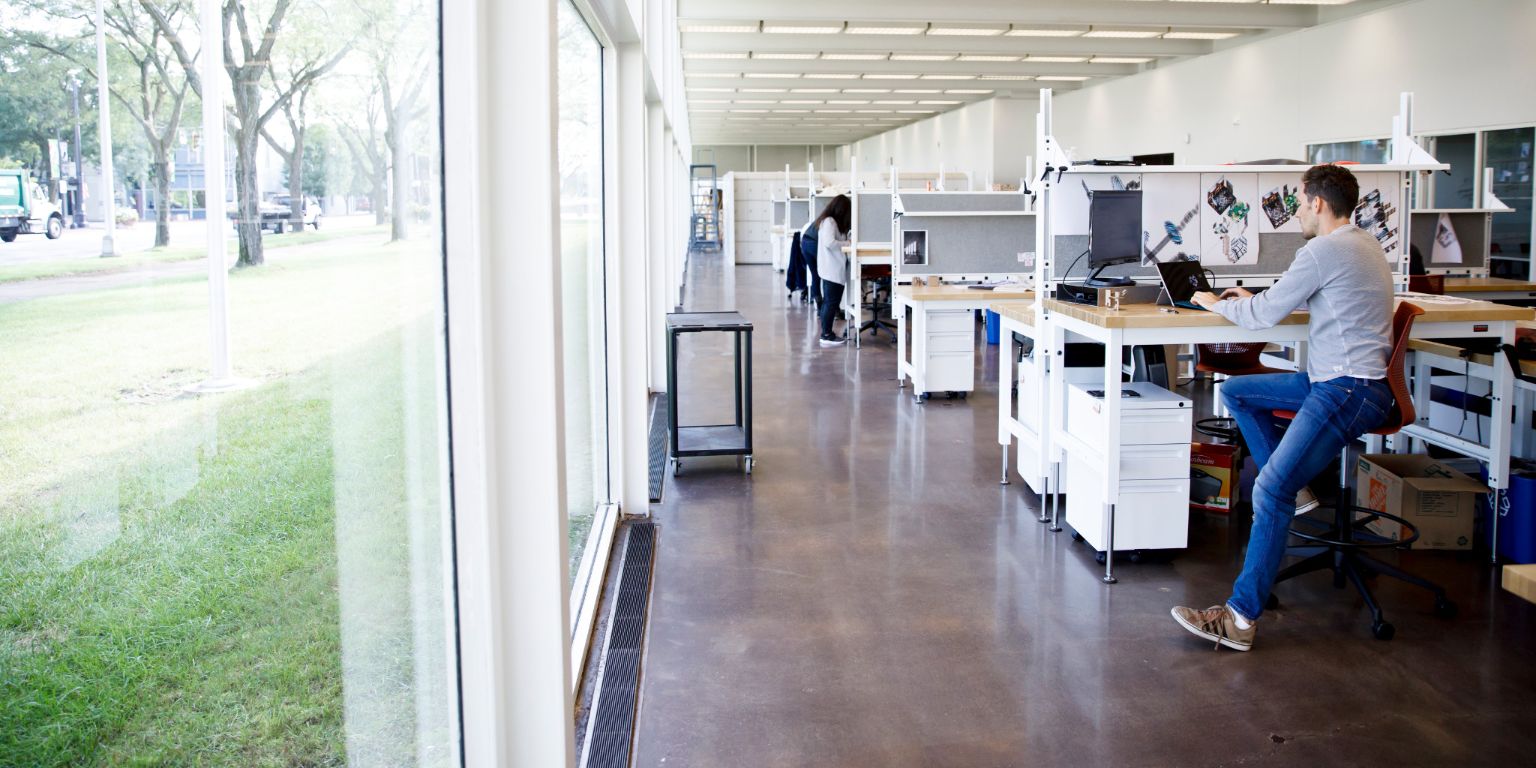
{"x":767,"y":158}
{"x":1468,"y":63}
{"x":988,"y":139}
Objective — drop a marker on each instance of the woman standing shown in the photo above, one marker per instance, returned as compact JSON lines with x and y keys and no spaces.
{"x":831,"y":265}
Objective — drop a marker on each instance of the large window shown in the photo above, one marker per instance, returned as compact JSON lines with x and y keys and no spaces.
{"x":1508,"y":153}
{"x":1370,"y":151}
{"x":583,"y":316}
{"x":196,"y":570}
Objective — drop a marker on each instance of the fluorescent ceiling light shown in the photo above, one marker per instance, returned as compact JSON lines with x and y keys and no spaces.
{"x":1190,"y":34}
{"x":829,"y":76}
{"x":939,"y":103}
{"x":922,"y":57}
{"x":1046,"y":31}
{"x":834,"y":111}
{"x":1063,"y":78}
{"x":791,"y":111}
{"x":987,"y":57}
{"x":1133,"y":34}
{"x":750,"y":111}
{"x":722,"y":28}
{"x":882,"y":76}
{"x":866,"y":90}
{"x":885,"y":29}
{"x":968,"y":91}
{"x":854,"y":56}
{"x":1057,"y":59}
{"x":967,"y":30}
{"x":799,"y":101}
{"x":712,"y":56}
{"x":813,"y":90}
{"x":756,"y":101}
{"x":1007,"y":77}
{"x":786,"y":56}
{"x":698,"y":89}
{"x":847,"y":101}
{"x":764,"y":90}
{"x":916,"y":111}
{"x":769,"y":75}
{"x":788,"y":28}
{"x":917,"y":90}
{"x":706,"y":111}
{"x":875,"y":111}
{"x":710,"y":101}
{"x":895,"y":102}
{"x":947,"y":77}
{"x":1119,"y":60}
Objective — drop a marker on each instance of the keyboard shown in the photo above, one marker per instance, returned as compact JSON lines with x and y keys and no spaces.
{"x":1189,"y":305}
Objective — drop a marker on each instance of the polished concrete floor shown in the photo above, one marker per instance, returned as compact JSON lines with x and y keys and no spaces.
{"x":871,"y":596}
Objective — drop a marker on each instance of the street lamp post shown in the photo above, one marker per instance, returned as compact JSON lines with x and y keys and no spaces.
{"x":79,"y":207}
{"x":104,"y":128}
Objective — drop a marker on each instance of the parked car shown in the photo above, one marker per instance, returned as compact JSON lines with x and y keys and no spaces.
{"x":24,"y":209}
{"x":277,"y":213}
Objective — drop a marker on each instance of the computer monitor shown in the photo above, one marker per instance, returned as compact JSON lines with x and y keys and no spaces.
{"x":1114,"y":233}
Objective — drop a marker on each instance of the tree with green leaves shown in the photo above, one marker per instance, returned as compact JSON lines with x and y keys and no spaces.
{"x":252,"y":30}
{"x":35,"y":103}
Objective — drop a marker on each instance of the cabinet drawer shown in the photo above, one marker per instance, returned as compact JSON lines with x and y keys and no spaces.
{"x":950,"y":342}
{"x":951,"y":321}
{"x":1154,"y":462}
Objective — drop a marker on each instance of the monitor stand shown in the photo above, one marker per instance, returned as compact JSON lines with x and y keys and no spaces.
{"x":1095,"y":281}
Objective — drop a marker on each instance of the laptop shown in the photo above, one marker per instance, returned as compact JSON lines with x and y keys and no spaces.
{"x":1182,"y":279}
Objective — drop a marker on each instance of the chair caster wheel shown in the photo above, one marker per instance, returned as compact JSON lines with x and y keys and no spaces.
{"x":1272,"y":603}
{"x":1445,"y":609}
{"x":1137,"y":557}
{"x":925,"y":396}
{"x":963,"y":394}
{"x":1383,"y":630}
{"x":1100,"y":557}
{"x":1077,"y":536}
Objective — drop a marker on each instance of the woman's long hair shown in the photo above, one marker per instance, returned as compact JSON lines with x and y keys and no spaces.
{"x":840,"y":211}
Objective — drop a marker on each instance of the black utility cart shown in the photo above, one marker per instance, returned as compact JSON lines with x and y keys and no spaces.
{"x":716,"y":439}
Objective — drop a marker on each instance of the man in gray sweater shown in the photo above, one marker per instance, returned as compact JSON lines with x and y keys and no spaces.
{"x":1342,"y":279}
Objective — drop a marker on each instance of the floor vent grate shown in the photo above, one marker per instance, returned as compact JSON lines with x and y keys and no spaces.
{"x":613,"y":720}
{"x":658,"y":446}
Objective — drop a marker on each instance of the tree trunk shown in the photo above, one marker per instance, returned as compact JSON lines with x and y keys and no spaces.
{"x":400,"y":175}
{"x":162,"y":169}
{"x":380,"y":182}
{"x":296,"y":182}
{"x":247,"y":197}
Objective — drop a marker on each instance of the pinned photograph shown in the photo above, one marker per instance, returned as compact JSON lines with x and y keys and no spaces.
{"x":1378,"y":211}
{"x":1170,"y":217}
{"x":1280,"y":201}
{"x":1228,"y":233}
{"x":914,"y":247}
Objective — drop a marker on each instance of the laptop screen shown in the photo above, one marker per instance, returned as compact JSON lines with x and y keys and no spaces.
{"x":1182,"y":278}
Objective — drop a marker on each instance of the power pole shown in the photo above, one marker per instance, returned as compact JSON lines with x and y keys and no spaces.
{"x":79,"y":200}
{"x":104,"y":126}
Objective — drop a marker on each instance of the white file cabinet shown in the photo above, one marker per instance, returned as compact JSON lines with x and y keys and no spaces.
{"x":943,"y":350}
{"x":1155,"y":429}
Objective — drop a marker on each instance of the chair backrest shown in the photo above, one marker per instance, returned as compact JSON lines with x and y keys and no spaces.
{"x":1230,"y":357}
{"x":1402,"y":413}
{"x":1427,"y":284}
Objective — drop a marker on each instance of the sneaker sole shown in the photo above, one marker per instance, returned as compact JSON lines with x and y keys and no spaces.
{"x":1201,"y":633}
{"x":1308,"y":507}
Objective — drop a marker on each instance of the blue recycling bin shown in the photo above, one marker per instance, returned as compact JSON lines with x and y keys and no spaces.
{"x":1517,"y":517}
{"x":994,"y":327}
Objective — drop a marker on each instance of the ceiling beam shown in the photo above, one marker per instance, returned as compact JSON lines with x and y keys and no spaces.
{"x":1101,"y":12}
{"x":855,"y":68}
{"x":720,"y":42}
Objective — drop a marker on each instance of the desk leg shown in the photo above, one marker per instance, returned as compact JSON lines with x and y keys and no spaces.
{"x":1113,"y":409}
{"x":1004,"y":479}
{"x":1053,"y":487}
{"x":1109,"y":545}
{"x":1499,"y":435}
{"x":899,"y":309}
{"x":1005,"y":409}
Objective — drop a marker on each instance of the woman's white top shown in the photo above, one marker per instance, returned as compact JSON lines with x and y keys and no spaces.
{"x":831,"y":262}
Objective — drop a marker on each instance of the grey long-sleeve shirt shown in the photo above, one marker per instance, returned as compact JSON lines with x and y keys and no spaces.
{"x":1343,"y":280}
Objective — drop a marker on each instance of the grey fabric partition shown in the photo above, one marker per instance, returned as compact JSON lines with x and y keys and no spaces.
{"x":967,"y":245}
{"x":1276,"y":249}
{"x":799,"y":213}
{"x":874,"y":217}
{"x":778,"y":211}
{"x":1471,"y":231}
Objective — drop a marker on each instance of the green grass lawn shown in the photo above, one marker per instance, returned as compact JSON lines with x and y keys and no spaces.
{"x":247,"y":579}
{"x":92,"y":265}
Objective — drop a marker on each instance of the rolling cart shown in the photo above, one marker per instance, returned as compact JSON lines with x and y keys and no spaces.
{"x":715,"y":439}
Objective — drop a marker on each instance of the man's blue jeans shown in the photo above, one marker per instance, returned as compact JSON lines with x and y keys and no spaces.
{"x":1329,"y":415}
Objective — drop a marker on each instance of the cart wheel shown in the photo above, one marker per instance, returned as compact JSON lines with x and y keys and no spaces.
{"x":677,"y":467}
{"x":1077,"y":536}
{"x":747,"y":465}
{"x":963,"y":395}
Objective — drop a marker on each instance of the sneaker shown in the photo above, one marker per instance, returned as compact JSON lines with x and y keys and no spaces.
{"x":832,"y":341}
{"x":1306,"y":501}
{"x":1216,"y":624}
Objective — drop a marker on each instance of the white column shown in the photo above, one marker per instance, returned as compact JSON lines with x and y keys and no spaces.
{"x":104,"y":127}
{"x":502,"y":199}
{"x":629,"y":331}
{"x":656,"y":155}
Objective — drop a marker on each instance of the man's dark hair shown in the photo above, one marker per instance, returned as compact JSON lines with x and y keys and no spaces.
{"x":1335,"y":185}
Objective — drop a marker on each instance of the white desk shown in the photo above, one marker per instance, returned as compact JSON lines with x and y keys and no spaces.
{"x":1146,"y":324}
{"x":943,"y":348}
{"x":1490,"y":288}
{"x":1027,"y":417}
{"x":867,"y":255}
{"x":1428,"y":354}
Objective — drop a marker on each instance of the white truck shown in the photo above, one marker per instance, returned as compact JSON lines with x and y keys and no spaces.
{"x":24,"y":209}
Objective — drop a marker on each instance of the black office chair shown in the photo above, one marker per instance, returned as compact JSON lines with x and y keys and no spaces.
{"x":1342,"y":546}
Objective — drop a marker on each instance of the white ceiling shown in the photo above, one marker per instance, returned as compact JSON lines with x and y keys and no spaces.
{"x":824,"y":72}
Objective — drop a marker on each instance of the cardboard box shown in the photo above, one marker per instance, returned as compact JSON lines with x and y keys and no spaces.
{"x":1521,"y":580}
{"x":1212,"y":476}
{"x":1440,"y":501}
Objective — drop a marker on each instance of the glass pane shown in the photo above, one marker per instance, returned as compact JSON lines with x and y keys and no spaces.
{"x":1508,"y":154}
{"x":580,"y":67}
{"x":251,"y":571}
{"x":1455,"y":190}
{"x":1369,"y":151}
